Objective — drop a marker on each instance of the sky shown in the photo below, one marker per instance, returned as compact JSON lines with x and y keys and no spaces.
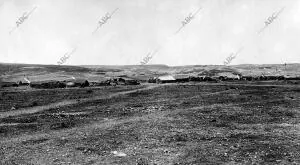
{"x":139,"y":27}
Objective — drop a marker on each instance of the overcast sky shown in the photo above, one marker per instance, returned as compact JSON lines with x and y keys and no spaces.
{"x":138,"y":27}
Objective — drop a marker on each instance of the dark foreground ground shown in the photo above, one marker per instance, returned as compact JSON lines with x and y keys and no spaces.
{"x":168,"y":124}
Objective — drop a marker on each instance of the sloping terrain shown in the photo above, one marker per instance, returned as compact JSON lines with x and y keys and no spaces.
{"x":242,"y":122}
{"x":17,"y":72}
{"x":22,"y":100}
{"x":167,"y":124}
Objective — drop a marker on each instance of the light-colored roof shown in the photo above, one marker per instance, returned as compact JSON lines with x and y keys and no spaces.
{"x":166,"y":77}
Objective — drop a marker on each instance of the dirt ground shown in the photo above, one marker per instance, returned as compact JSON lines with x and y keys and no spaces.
{"x":176,"y":124}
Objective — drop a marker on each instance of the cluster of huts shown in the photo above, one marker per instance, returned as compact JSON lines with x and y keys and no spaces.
{"x":172,"y":79}
{"x":71,"y":83}
{"x":116,"y":81}
{"x":124,"y":81}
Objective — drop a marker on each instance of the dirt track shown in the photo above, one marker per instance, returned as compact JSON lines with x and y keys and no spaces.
{"x":189,"y":124}
{"x":67,"y":102}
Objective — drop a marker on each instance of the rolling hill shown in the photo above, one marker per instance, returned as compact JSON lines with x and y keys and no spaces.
{"x":35,"y":72}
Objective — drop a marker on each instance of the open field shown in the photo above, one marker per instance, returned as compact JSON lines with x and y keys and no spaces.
{"x":204,"y":123}
{"x":28,"y":97}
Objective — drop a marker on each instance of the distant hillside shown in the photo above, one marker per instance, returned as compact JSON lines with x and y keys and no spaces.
{"x":16,"y":72}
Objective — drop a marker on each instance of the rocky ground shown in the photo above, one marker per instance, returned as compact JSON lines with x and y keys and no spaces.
{"x":173,"y":124}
